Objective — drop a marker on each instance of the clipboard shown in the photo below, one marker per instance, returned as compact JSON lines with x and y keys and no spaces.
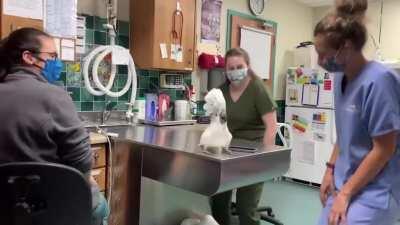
{"x":310,"y":94}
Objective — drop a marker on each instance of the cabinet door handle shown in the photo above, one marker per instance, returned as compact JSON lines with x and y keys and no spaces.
{"x":96,"y":156}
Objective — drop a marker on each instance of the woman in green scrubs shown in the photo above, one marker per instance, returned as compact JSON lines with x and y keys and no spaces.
{"x":251,"y":115}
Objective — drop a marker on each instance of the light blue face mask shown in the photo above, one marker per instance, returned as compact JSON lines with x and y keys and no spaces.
{"x":236,"y":76}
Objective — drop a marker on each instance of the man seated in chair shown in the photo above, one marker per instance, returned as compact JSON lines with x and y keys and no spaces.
{"x":39,"y":122}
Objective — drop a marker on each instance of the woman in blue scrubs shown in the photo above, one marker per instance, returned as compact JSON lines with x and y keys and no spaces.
{"x":361,"y":185}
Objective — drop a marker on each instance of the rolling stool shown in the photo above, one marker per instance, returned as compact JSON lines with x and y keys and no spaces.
{"x":43,"y":194}
{"x":266,"y":214}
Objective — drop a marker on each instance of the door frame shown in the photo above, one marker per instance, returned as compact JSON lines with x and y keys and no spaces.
{"x":271,"y":23}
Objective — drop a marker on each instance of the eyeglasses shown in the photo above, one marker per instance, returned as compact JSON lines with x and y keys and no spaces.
{"x":53,"y":55}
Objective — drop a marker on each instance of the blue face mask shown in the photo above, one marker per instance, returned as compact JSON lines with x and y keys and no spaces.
{"x":332,"y":66}
{"x":52,"y":70}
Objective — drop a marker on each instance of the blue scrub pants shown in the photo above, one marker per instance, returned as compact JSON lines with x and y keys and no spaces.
{"x":360,"y":214}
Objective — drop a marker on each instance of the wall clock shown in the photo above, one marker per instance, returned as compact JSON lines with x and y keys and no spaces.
{"x":257,"y":6}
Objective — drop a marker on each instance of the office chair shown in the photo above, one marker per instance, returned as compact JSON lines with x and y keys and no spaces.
{"x":266,"y":213}
{"x":43,"y":194}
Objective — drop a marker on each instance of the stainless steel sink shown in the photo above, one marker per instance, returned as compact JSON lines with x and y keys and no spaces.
{"x":107,"y":124}
{"x":93,"y":119}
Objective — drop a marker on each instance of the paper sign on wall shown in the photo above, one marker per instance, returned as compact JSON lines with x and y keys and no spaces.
{"x":60,"y":18}
{"x":293,"y":95}
{"x":80,"y":35}
{"x":258,"y":44}
{"x":164,"y":52}
{"x":327,"y":85}
{"x":173,"y":52}
{"x":32,"y":9}
{"x":307,"y":155}
{"x":67,"y":49}
{"x":120,"y":56}
{"x":177,"y":52}
{"x":299,"y":124}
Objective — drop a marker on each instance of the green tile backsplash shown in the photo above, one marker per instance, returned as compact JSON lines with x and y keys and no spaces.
{"x":123,"y":28}
{"x":100,"y":37}
{"x":72,"y":79}
{"x":89,"y":22}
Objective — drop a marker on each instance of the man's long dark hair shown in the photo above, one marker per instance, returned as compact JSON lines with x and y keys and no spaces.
{"x":12,"y":47}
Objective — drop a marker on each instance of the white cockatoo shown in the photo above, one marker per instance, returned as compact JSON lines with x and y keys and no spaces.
{"x":216,"y":137}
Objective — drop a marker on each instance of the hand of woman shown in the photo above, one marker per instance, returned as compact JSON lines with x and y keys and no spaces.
{"x":339,"y":208}
{"x":327,"y":187}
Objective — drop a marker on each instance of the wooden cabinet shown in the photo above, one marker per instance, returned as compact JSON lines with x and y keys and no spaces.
{"x":99,"y":175}
{"x":99,"y":155}
{"x":99,"y":171}
{"x":152,"y":25}
{"x":10,"y":23}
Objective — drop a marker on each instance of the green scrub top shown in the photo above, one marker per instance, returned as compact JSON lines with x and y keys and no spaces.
{"x":245,"y":115}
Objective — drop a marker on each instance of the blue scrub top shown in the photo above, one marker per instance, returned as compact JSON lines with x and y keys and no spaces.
{"x":368,"y":107}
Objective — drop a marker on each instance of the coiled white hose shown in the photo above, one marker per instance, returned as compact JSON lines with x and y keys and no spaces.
{"x":98,"y":54}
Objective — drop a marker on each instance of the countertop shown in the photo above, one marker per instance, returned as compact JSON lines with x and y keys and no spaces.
{"x":96,"y":138}
{"x":183,"y":139}
{"x":172,"y":155}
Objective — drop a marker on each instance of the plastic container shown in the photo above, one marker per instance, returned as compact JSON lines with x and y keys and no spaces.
{"x":182,"y":110}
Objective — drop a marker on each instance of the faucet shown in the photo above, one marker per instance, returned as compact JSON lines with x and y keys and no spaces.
{"x":106,"y":113}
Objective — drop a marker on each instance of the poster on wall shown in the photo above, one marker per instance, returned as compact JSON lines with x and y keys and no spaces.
{"x":61,"y":18}
{"x":32,"y":9}
{"x":210,"y":21}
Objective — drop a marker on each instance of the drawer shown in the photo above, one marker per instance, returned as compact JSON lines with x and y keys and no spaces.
{"x":99,"y":175}
{"x":99,"y":155}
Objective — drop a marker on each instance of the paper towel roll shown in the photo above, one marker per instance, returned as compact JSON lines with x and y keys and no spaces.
{"x":181,"y":110}
{"x":140,"y":105}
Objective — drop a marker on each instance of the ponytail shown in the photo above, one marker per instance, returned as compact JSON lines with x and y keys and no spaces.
{"x":4,"y":64}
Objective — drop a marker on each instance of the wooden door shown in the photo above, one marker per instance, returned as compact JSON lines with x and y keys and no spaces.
{"x":238,"y":22}
{"x":10,"y":23}
{"x":164,"y":10}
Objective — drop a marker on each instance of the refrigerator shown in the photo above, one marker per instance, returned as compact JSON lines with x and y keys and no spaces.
{"x":310,"y":112}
